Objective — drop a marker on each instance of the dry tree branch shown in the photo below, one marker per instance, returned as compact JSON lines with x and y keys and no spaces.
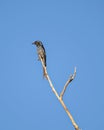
{"x":69,"y":81}
{"x":61,"y":95}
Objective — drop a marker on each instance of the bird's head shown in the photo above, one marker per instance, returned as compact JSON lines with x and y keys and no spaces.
{"x":37,"y":43}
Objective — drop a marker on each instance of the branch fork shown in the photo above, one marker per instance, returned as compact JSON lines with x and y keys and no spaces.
{"x":60,"y":97}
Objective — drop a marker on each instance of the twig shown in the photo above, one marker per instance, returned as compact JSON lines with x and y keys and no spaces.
{"x":60,"y":98}
{"x":69,"y":81}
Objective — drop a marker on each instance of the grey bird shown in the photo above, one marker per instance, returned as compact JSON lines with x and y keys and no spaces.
{"x":41,"y":53}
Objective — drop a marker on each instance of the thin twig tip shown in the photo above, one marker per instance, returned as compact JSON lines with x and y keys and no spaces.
{"x":75,"y":69}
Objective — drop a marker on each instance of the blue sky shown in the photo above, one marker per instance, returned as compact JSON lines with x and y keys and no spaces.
{"x":73,"y":35}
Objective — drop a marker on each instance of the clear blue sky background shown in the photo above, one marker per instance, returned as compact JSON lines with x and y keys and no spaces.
{"x":73,"y":34}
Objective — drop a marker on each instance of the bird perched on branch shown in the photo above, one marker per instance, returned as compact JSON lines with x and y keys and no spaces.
{"x":41,"y":54}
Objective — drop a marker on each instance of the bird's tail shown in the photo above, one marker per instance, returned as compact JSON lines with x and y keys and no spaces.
{"x":44,"y":73}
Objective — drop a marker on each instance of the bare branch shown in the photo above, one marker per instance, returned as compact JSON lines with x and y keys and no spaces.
{"x":59,"y":97}
{"x":69,"y":81}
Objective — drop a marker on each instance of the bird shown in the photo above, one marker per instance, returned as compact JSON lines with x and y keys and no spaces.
{"x":41,"y":54}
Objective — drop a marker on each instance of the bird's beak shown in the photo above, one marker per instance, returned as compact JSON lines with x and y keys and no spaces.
{"x":32,"y":42}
